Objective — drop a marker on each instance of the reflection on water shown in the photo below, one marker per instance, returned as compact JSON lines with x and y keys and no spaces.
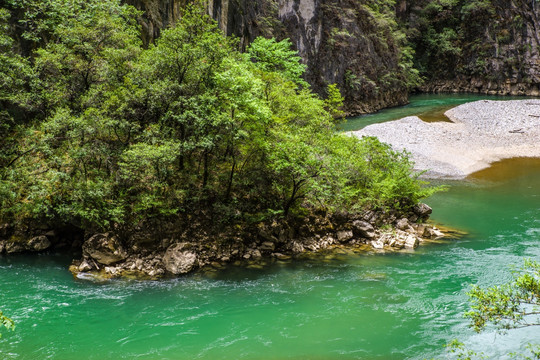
{"x":508,"y":169}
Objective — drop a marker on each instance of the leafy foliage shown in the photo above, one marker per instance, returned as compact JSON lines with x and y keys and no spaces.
{"x":6,"y":322}
{"x":334,"y":101}
{"x":509,"y":306}
{"x":103,"y":133}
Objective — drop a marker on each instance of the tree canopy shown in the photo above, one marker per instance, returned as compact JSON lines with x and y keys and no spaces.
{"x":98,"y":131}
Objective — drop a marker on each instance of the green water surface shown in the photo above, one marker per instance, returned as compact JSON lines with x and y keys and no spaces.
{"x":352,"y":306}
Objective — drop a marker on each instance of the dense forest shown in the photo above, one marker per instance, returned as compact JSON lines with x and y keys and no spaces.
{"x":156,"y":137}
{"x":101,"y":133}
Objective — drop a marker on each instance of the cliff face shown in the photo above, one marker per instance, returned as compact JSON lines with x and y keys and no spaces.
{"x":486,"y":46}
{"x":342,"y":42}
{"x":350,"y":44}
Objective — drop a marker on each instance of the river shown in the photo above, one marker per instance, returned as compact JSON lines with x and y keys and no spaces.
{"x":349,"y":306}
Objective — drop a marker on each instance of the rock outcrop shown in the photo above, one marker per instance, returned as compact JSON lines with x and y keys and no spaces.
{"x":489,"y":47}
{"x":341,"y":41}
{"x":24,"y":239}
{"x":184,"y":253}
{"x":105,"y":249}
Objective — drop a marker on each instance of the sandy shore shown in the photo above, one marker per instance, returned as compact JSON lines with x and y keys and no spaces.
{"x":480,"y":133}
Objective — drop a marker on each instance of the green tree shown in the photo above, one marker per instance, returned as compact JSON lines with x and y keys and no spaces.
{"x":119,"y":135}
{"x":271,"y":55}
{"x":513,"y":305}
{"x":334,"y":101}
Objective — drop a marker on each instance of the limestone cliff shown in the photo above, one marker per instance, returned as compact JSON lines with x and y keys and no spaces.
{"x":341,"y":41}
{"x":486,"y":46}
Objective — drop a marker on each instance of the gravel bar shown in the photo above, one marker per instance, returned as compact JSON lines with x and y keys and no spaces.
{"x":479,"y":134}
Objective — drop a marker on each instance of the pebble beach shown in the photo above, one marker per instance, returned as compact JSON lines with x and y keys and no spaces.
{"x":476,"y":135}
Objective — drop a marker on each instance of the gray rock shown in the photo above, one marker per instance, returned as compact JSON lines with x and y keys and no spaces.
{"x":377,"y":244}
{"x":402,"y":224}
{"x":422,"y":210}
{"x":363,"y":229}
{"x":85,"y":266}
{"x":104,"y":248}
{"x":432,"y":233}
{"x":411,"y":242}
{"x":267,"y":246}
{"x":2,"y":246}
{"x":13,"y":247}
{"x":38,"y":243}
{"x":297,"y":247}
{"x":344,"y":235}
{"x":281,"y":256}
{"x":178,"y":259}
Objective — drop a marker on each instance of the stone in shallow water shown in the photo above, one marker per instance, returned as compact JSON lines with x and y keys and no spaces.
{"x":411,"y":242}
{"x":377,"y":244}
{"x":39,"y":243}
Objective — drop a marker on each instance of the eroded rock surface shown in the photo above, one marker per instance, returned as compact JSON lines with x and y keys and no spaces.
{"x":179,"y":259}
{"x":104,"y":248}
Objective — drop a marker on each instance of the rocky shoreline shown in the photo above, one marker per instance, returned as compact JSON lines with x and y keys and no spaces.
{"x":107,"y":255}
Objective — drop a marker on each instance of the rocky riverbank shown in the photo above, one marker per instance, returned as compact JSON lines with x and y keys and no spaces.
{"x":479,"y":134}
{"x":110,"y":255}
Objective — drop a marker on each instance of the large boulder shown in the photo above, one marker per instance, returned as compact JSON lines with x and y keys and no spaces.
{"x":422,"y":210}
{"x":104,"y":248}
{"x":179,"y":259}
{"x":363,"y":229}
{"x":38,"y":243}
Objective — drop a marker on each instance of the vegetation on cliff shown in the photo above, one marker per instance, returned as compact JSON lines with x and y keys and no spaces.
{"x":491,"y":41}
{"x":100,"y":133}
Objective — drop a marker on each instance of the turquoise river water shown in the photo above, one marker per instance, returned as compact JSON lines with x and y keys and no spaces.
{"x":349,"y":306}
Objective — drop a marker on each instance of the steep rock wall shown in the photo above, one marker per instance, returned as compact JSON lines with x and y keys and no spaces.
{"x":340,"y":41}
{"x":483,"y":46}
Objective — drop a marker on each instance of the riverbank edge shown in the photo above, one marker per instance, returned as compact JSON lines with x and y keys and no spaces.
{"x":478,"y":134}
{"x":153,"y":252}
